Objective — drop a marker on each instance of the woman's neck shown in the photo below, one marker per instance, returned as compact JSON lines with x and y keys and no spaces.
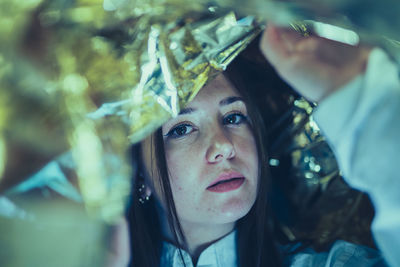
{"x":198,"y":236}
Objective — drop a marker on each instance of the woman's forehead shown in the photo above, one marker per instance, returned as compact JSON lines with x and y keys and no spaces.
{"x":216,"y":90}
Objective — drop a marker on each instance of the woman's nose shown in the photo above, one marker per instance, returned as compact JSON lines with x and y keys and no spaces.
{"x":220,"y":148}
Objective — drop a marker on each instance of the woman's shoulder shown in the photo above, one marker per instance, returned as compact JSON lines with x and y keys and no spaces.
{"x":341,"y":254}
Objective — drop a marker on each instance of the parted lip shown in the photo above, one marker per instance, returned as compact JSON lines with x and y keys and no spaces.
{"x":225,"y":176}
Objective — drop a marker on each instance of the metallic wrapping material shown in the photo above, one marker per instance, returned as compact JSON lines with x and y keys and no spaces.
{"x":51,"y":89}
{"x":178,"y":63}
{"x":79,"y":85}
{"x":319,"y":206}
{"x":137,"y":63}
{"x":371,"y":21}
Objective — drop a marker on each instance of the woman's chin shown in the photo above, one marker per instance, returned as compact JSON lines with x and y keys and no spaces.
{"x":234,"y":210}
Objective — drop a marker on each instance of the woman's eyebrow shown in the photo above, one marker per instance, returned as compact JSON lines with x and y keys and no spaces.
{"x":226,"y":101}
{"x":186,"y":111}
{"x":230,"y":100}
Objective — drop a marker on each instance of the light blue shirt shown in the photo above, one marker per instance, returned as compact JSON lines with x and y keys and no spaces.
{"x":223,"y":254}
{"x":341,"y":254}
{"x":362,"y":125}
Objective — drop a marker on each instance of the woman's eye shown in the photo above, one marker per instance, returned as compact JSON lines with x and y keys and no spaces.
{"x":235,"y":118}
{"x":180,"y":130}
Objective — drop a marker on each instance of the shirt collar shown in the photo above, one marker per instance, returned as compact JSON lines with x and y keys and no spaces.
{"x":219,"y":254}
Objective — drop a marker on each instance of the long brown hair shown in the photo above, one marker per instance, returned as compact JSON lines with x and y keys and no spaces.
{"x":255,"y":240}
{"x":256,"y":243}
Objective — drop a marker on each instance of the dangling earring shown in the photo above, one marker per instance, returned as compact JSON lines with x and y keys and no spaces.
{"x":143,"y":192}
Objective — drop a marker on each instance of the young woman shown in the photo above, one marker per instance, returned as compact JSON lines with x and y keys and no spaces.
{"x":202,"y":186}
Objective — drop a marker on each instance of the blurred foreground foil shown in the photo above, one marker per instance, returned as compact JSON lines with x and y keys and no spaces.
{"x":81,"y":79}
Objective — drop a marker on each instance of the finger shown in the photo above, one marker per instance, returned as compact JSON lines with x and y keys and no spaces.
{"x":272,"y":45}
{"x":307,"y":45}
{"x":290,"y":36}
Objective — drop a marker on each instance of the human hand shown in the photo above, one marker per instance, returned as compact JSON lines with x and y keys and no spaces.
{"x":314,"y":66}
{"x":119,"y":249}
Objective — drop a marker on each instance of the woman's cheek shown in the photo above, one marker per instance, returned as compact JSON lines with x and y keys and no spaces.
{"x":180,"y":145}
{"x":246,"y":150}
{"x":178,"y":162}
{"x":245,"y":140}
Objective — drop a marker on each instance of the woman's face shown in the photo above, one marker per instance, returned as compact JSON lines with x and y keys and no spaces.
{"x":211,"y":156}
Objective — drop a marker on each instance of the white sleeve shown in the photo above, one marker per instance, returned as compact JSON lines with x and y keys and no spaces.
{"x":362,"y":124}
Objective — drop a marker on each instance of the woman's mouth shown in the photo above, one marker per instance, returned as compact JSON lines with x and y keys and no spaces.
{"x":227,"y":185}
{"x":226,"y":182}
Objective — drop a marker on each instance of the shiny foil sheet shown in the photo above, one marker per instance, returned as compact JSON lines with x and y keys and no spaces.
{"x":350,"y":22}
{"x":91,"y":82}
{"x":79,"y":85}
{"x":318,"y":207}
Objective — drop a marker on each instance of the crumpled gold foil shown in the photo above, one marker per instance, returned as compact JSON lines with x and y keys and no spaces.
{"x":78,"y":85}
{"x":178,"y":63}
{"x":320,"y":206}
{"x":79,"y":78}
{"x":52,"y":81}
